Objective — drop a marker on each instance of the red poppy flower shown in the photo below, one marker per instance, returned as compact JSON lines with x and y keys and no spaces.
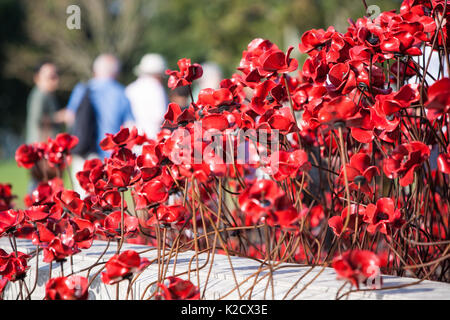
{"x":37,"y":213}
{"x":70,"y":200}
{"x":119,"y":140}
{"x":109,"y":200}
{"x":339,"y":109}
{"x":175,"y":288}
{"x":268,"y":94}
{"x":167,"y":215}
{"x":439,"y":98}
{"x":357,"y":266}
{"x":43,"y":194}
{"x":120,"y":175}
{"x":404,"y":160}
{"x":188,"y":73}
{"x":275,"y":61}
{"x":443,"y":161}
{"x":84,"y":232}
{"x":214,"y":98}
{"x":175,"y":116}
{"x":150,"y":192}
{"x":66,"y":141}
{"x":342,"y":77}
{"x":285,"y":164}
{"x":315,"y":68}
{"x":57,"y":154}
{"x":10,"y":220}
{"x":27,"y":156}
{"x":59,"y":250}
{"x":111,"y":225}
{"x":359,"y":171}
{"x":6,"y":196}
{"x":400,"y":99}
{"x":123,"y":266}
{"x":336,"y":223}
{"x":13,"y":267}
{"x":67,"y":288}
{"x":383,"y":215}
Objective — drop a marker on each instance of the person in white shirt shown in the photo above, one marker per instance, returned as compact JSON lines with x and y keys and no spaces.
{"x":147,"y":95}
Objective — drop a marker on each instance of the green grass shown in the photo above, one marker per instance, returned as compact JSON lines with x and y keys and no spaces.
{"x":17,"y":177}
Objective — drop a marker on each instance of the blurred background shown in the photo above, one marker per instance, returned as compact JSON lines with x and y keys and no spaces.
{"x":203,"y":30}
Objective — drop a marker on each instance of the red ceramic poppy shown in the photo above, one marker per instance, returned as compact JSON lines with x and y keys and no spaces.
{"x":285,"y":164}
{"x":119,"y":140}
{"x":167,"y":215}
{"x":404,"y":160}
{"x":359,"y":172}
{"x":67,"y":288}
{"x":13,"y":267}
{"x":175,"y":288}
{"x":339,"y":109}
{"x":439,"y":97}
{"x":150,"y":192}
{"x":123,"y":266}
{"x":70,"y":200}
{"x":337,"y":223}
{"x":357,"y":266}
{"x":275,"y":61}
{"x":27,"y":156}
{"x":382,"y":216}
{"x":6,"y":196}
{"x":10,"y":220}
{"x":66,"y":141}
{"x":443,"y":162}
{"x":112,"y":225}
{"x":188,"y":73}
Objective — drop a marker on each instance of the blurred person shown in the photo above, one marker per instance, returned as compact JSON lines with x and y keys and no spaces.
{"x":180,"y":96}
{"x":109,"y":103}
{"x":147,"y":95}
{"x":42,"y":121}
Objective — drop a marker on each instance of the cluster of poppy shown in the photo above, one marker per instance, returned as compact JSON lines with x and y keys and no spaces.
{"x":354,"y":171}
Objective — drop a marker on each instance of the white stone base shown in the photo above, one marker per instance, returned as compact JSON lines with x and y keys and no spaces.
{"x":221,"y":281}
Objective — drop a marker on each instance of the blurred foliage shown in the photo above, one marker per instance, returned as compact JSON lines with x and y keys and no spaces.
{"x":202,"y":30}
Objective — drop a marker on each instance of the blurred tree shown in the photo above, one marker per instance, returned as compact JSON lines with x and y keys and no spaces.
{"x":12,"y":96}
{"x":106,"y":26}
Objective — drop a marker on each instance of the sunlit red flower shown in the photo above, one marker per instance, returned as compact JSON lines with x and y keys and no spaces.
{"x":175,"y":288}
{"x":167,"y":215}
{"x":439,"y":97}
{"x":188,"y":73}
{"x":119,"y":140}
{"x":382,"y":216}
{"x":6,"y":196}
{"x":13,"y":267}
{"x":404,"y":160}
{"x":359,"y":172}
{"x":443,"y":161}
{"x":123,"y":266}
{"x":357,"y":266}
{"x":70,"y":200}
{"x":10,"y":220}
{"x":112,"y":225}
{"x":67,"y":288}
{"x":27,"y":156}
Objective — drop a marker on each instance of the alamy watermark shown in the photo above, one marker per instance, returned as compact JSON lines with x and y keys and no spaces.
{"x":73,"y":21}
